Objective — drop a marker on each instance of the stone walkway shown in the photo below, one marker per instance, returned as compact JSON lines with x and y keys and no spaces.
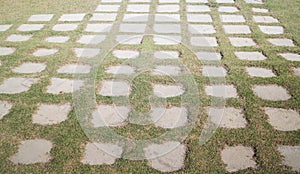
{"x":193,"y":23}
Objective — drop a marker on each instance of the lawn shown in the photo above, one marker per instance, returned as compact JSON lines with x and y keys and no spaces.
{"x":68,"y":137}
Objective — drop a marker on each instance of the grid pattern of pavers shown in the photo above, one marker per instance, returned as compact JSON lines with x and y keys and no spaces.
{"x":195,"y":23}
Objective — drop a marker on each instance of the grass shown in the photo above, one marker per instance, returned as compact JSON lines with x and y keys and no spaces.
{"x":68,"y":137}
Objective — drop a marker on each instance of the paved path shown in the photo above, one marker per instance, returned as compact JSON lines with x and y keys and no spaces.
{"x":196,"y":25}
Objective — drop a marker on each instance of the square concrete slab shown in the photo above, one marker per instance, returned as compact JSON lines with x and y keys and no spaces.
{"x":111,"y":1}
{"x":30,"y":27}
{"x":136,"y":17}
{"x":167,"y":28}
{"x":224,"y":91}
{"x":65,"y":27}
{"x":129,"y":39}
{"x":197,"y":8}
{"x":91,"y":39}
{"x":138,"y":8}
{"x":41,"y":18}
{"x":163,"y":159}
{"x":265,"y":19}
{"x":61,"y":86}
{"x":229,"y":117}
{"x":255,"y":56}
{"x":16,"y":85}
{"x":254,"y":1}
{"x":167,"y":18}
{"x":5,"y":108}
{"x":100,"y":154}
{"x":50,"y":114}
{"x":32,"y":152}
{"x":201,"y":29}
{"x":166,"y":54}
{"x":168,"y":1}
{"x":169,"y":118}
{"x":135,"y":1}
{"x":214,"y":71}
{"x":107,"y":8}
{"x":4,"y":51}
{"x":196,"y":1}
{"x":290,"y":56}
{"x":166,"y":91}
{"x":29,"y":68}
{"x":86,"y":52}
{"x":18,"y":38}
{"x":167,"y":70}
{"x":5,"y":27}
{"x":104,"y":17}
{"x":282,"y":42}
{"x":199,"y":18}
{"x":126,"y":54}
{"x":228,"y":9}
{"x":133,"y":28}
{"x":72,"y":17}
{"x":74,"y":69}
{"x":232,"y":18}
{"x":211,"y":56}
{"x":115,"y":88}
{"x":238,"y":158}
{"x":271,"y":92}
{"x":283,"y":119}
{"x":107,"y":115}
{"x":271,"y":29}
{"x":260,"y":72}
{"x":225,"y":1}
{"x":168,"y":8}
{"x":98,"y":28}
{"x":260,"y":10}
{"x":236,"y":29}
{"x":122,"y":69}
{"x":296,"y":71}
{"x":291,"y":156}
{"x":166,"y":39}
{"x":57,"y":39}
{"x":44,"y":52}
{"x":204,"y":41}
{"x":241,"y":42}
